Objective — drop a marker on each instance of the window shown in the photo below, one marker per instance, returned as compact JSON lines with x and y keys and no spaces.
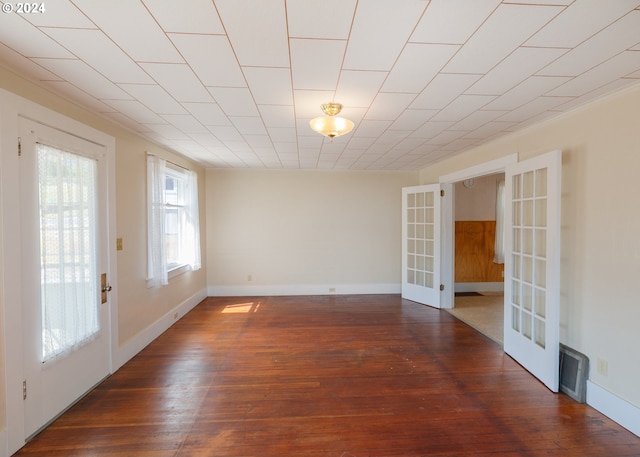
{"x":173,"y":223}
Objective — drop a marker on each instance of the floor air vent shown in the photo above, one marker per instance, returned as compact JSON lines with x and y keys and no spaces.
{"x":574,"y":369}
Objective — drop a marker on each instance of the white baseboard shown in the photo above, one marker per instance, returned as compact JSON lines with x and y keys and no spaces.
{"x":4,"y":445}
{"x":140,"y":341}
{"x":311,"y":289}
{"x":614,"y":407}
{"x":479,"y":287}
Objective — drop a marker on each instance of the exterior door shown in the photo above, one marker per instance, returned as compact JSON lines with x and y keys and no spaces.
{"x":421,"y":244}
{"x":63,"y":222}
{"x":532,"y":265}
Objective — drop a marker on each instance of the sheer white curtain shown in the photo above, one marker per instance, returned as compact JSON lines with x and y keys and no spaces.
{"x":191,"y":229}
{"x":499,"y":242}
{"x":156,"y":173}
{"x":68,"y":249}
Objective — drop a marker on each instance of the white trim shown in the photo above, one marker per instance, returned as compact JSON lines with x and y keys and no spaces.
{"x":141,"y":340}
{"x":305,"y":289}
{"x":614,"y":407}
{"x":479,"y":287}
{"x":4,"y":446}
{"x":486,"y":168}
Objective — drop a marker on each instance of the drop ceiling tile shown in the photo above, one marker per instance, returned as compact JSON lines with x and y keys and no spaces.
{"x":154,"y":97}
{"x":24,"y":38}
{"x":431,"y":129}
{"x":186,"y":123}
{"x":270,"y":86}
{"x":207,"y":140}
{"x":286,"y":150}
{"x":277,"y":115}
{"x":533,"y":108}
{"x":616,"y":38}
{"x":225,"y":133}
{"x":411,"y":119}
{"x":446,"y":137}
{"x":168,"y":131}
{"x":84,"y":77}
{"x":249,"y":125}
{"x":136,"y":111}
{"x":282,"y":135}
{"x":452,"y":21}
{"x":319,"y":19}
{"x":307,"y":103}
{"x":97,"y":50}
{"x":417,"y":66}
{"x":443,"y":90}
{"x":526,"y":92}
{"x":179,"y":81}
{"x":310,"y":142}
{"x":602,"y":91}
{"x":380,"y":31}
{"x":211,"y":59}
{"x":62,"y":14}
{"x":579,"y":22}
{"x":362,"y":143}
{"x":315,"y":64}
{"x":194,"y":16}
{"x":617,"y":67}
{"x":267,"y":44}
{"x":461,"y":107}
{"x":261,"y":144}
{"x":125,"y":24}
{"x":371,"y":128}
{"x":79,"y":96}
{"x":22,"y":65}
{"x":208,"y":113}
{"x":489,"y":129}
{"x":388,"y":106}
{"x":521,"y":64}
{"x":487,"y":47}
{"x":477,"y":119}
{"x":359,"y":88}
{"x":234,"y":101}
{"x":129,"y":123}
{"x":392,"y":137}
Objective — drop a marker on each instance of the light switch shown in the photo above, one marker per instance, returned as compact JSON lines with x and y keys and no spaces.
{"x":118,"y":244}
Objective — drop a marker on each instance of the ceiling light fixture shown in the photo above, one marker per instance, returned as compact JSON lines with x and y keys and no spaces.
{"x":331,"y":125}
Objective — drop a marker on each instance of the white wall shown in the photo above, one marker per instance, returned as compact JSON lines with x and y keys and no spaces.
{"x":600,"y":256}
{"x":478,"y":202}
{"x":297,"y":232}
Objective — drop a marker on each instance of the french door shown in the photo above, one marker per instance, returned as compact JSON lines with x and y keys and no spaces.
{"x":532,"y":265}
{"x":421,"y":244}
{"x":65,"y":314}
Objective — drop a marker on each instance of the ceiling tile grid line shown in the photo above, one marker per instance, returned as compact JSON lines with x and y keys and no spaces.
{"x":234,"y":83}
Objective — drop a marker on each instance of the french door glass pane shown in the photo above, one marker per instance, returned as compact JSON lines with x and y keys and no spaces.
{"x":68,"y":256}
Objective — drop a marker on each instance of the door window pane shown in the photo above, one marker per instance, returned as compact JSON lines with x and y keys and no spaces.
{"x":68,"y":249}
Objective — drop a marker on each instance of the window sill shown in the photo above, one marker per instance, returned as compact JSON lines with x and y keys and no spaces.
{"x":177,"y":271}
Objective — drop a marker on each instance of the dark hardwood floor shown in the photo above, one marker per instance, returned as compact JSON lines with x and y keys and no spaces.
{"x":329,"y":376}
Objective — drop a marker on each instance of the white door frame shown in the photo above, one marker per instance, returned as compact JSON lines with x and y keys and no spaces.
{"x":448,"y":218}
{"x":11,"y":108}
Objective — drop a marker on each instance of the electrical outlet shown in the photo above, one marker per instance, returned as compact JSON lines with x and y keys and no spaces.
{"x":249,"y":278}
{"x":602,"y":367}
{"x":175,"y":316}
{"x":332,"y":289}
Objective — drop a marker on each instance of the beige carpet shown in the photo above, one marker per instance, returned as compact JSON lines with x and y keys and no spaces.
{"x":484,"y":313}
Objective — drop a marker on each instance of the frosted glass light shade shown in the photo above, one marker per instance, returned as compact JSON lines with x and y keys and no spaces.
{"x":331,"y":126}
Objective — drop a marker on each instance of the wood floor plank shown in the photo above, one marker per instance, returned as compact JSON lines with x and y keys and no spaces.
{"x":330,"y":376}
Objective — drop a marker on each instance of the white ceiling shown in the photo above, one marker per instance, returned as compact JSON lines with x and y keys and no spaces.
{"x":234,"y":83}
